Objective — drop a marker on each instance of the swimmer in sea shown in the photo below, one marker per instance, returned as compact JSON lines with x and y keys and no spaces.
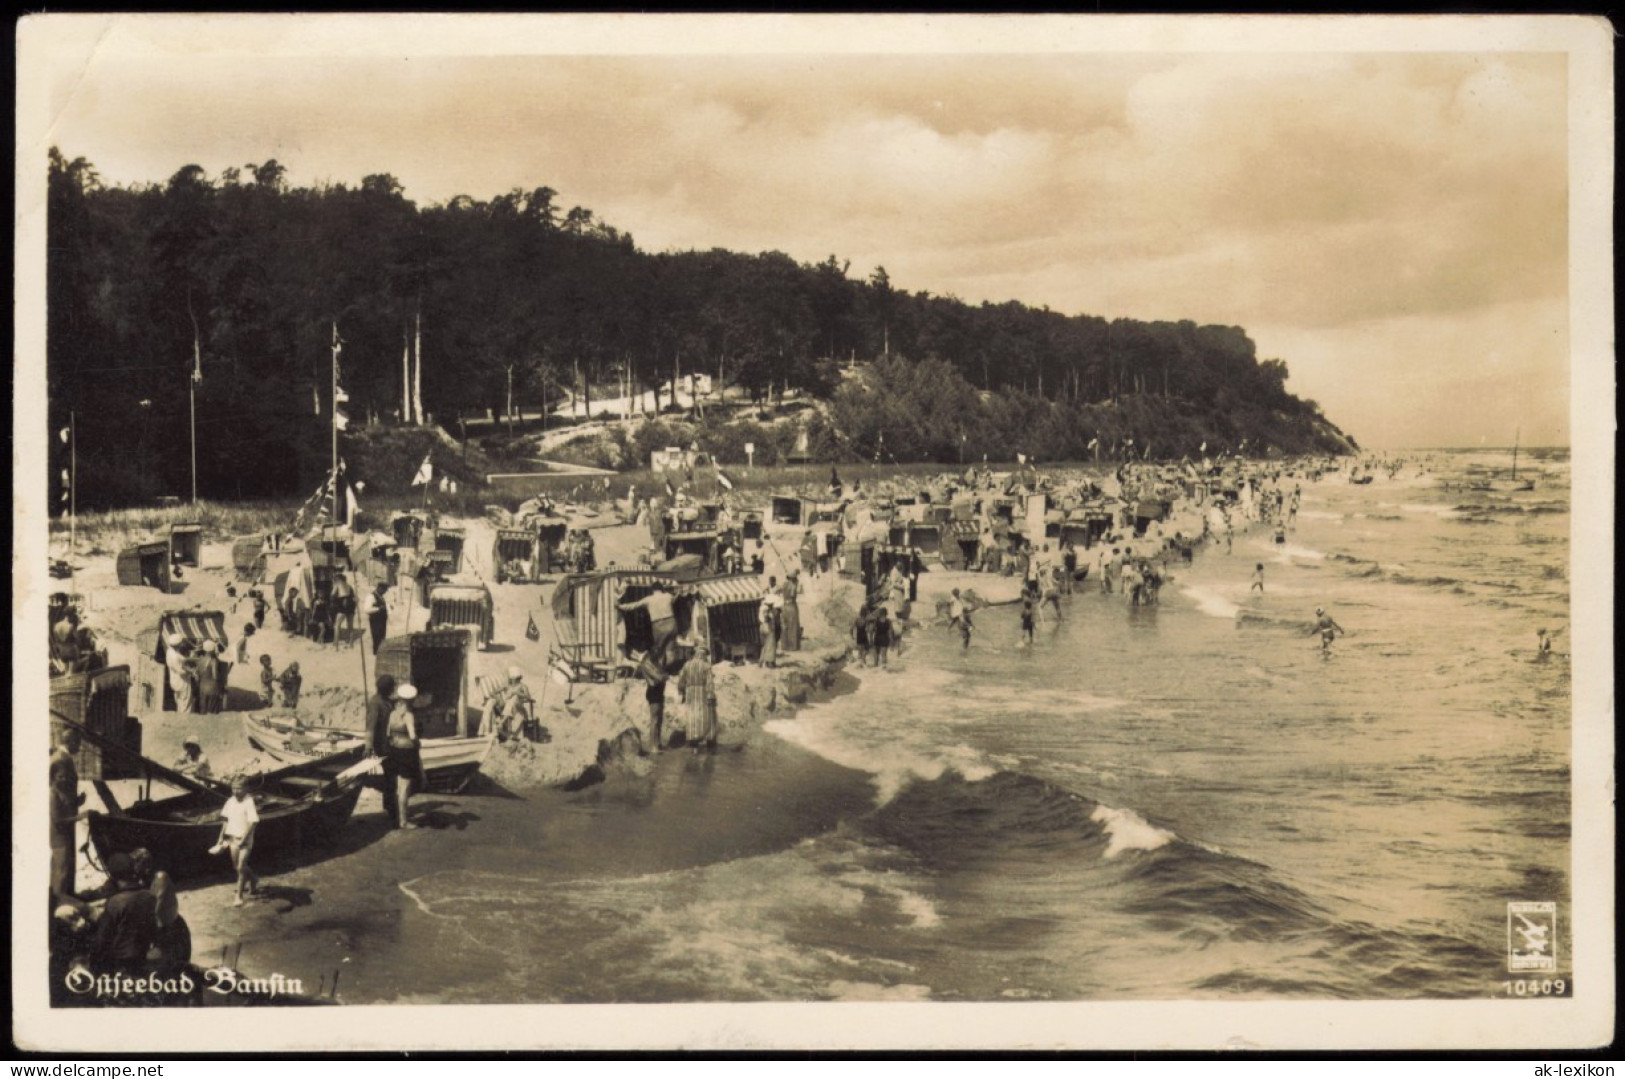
{"x":1544,"y":647}
{"x":1327,"y":629}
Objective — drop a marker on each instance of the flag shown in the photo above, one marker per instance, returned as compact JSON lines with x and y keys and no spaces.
{"x":1093,"y":442}
{"x":425,"y":472}
{"x":197,"y":361}
{"x":1202,"y":448}
{"x":342,"y":395}
{"x":352,"y":509}
{"x":722,"y":477}
{"x":533,"y":632}
{"x":63,"y":434}
{"x":316,"y":506}
{"x":1022,"y":457}
{"x":341,"y":420}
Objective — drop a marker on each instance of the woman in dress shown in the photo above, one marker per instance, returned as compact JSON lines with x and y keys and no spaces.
{"x":209,"y":687}
{"x":790,"y":617}
{"x":404,"y":762}
{"x":770,"y":626}
{"x":697,"y":688}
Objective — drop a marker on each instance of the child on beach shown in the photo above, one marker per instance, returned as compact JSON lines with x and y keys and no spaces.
{"x":242,"y":644}
{"x":259,"y":608}
{"x":1258,"y":577}
{"x":239,"y":819}
{"x":267,"y":681}
{"x":290,"y":680}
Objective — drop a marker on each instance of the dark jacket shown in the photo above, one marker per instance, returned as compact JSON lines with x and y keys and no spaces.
{"x":126,"y":928}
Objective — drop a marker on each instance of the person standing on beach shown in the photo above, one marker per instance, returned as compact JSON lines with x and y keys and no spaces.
{"x":267,"y":681}
{"x":289,"y":681}
{"x":790,"y":618}
{"x":959,"y":618}
{"x":1028,"y":616}
{"x":181,"y":673}
{"x":1069,"y":569}
{"x":404,"y":762}
{"x":240,"y":819}
{"x":343,"y":608}
{"x":696,"y":687}
{"x":1258,"y":577}
{"x":860,"y":634}
{"x":769,"y":616}
{"x":880,"y":633}
{"x":209,"y":688}
{"x":378,"y":710}
{"x":244,"y":656}
{"x":66,"y":798}
{"x":259,"y":608}
{"x":655,"y":696}
{"x":377,"y":612}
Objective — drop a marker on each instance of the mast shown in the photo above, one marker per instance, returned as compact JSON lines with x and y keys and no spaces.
{"x":1515,"y":435}
{"x":333,"y":513}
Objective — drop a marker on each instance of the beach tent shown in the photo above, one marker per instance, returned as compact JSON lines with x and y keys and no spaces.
{"x":450,"y":540}
{"x":963,"y":544}
{"x":186,"y":544}
{"x":329,"y":548}
{"x":550,"y":534}
{"x":98,"y":701}
{"x":787,"y":510}
{"x":726,"y":613}
{"x":408,"y":529}
{"x":463,"y":605}
{"x":435,"y":662}
{"x":514,"y":555}
{"x":926,"y":536}
{"x":1147,"y":511}
{"x":155,"y":691}
{"x":700,"y":544}
{"x":592,"y":635}
{"x":145,"y":564}
{"x":377,"y":559}
{"x":245,"y":556}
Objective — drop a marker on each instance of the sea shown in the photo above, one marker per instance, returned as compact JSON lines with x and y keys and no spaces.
{"x":1183,"y":801}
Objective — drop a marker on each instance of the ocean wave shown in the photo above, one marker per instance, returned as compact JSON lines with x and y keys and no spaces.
{"x":1127,"y":830}
{"x":1288,"y":551}
{"x":1209,"y":602}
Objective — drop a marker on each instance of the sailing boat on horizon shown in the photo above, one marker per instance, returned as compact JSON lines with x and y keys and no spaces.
{"x":1504,"y":484}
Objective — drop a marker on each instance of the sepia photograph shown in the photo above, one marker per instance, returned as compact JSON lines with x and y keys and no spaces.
{"x":813,"y":532}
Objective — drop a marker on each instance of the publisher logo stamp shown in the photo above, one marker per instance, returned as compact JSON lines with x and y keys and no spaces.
{"x":1531,"y":936}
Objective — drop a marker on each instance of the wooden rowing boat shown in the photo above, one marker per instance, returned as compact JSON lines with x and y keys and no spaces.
{"x":302,"y":807}
{"x":448,"y":763}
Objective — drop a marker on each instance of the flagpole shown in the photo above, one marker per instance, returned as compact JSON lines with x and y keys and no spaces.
{"x":73,"y":489}
{"x":191,"y":400}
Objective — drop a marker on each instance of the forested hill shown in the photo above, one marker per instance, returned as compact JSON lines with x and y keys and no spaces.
{"x":242,"y":276}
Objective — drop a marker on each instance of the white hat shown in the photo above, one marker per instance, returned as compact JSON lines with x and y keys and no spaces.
{"x":406,"y":691}
{"x":191,"y":740}
{"x":514,"y":674}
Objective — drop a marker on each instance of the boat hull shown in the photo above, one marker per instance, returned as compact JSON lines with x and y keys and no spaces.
{"x":448,"y":763}
{"x":180,"y":832}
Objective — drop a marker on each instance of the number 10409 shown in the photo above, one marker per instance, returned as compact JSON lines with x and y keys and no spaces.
{"x":1535,"y":987}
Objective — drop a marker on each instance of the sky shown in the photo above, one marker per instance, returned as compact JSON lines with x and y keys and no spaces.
{"x":1392,"y":224}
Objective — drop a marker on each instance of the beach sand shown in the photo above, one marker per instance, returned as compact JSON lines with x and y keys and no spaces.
{"x":329,"y":909}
